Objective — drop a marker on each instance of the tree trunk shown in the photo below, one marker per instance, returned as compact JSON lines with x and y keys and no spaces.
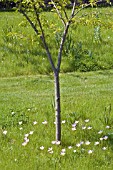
{"x":57,"y":106}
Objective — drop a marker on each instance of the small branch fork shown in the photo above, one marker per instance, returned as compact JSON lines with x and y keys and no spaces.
{"x":66,"y":22}
{"x":64,"y":35}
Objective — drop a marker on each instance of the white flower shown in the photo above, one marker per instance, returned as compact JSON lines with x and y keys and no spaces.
{"x":12,"y":113}
{"x":74,"y":125}
{"x":87,"y":120}
{"x":28,"y":109}
{"x":5,"y":132}
{"x":69,"y":147}
{"x":24,"y":143}
{"x":100,"y":131}
{"x":87,"y":143}
{"x":74,"y":128}
{"x":44,"y":123}
{"x":74,"y":151}
{"x":63,"y":150}
{"x":89,"y":127}
{"x":15,"y":159}
{"x":20,"y":128}
{"x":26,"y":135}
{"x":76,"y":121}
{"x":55,"y":123}
{"x":101,"y":139}
{"x":20,"y":123}
{"x":58,"y":142}
{"x":26,"y":140}
{"x":82,"y":142}
{"x":51,"y":152}
{"x":31,"y":132}
{"x":105,"y":137}
{"x":90,"y":151}
{"x":96,"y":143}
{"x":42,"y":148}
{"x":50,"y":149}
{"x":78,"y":144}
{"x":53,"y":142}
{"x":107,"y":127}
{"x":62,"y":153}
{"x":63,"y":121}
{"x":104,"y":148}
{"x":83,"y":127}
{"x":35,"y":122}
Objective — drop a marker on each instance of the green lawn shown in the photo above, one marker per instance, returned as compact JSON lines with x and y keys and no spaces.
{"x":27,"y":128}
{"x":27,"y":118}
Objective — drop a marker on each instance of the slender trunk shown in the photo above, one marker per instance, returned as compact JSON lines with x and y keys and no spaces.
{"x":57,"y":106}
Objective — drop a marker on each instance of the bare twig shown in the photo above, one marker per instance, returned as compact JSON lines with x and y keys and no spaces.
{"x":85,"y":6}
{"x":66,"y":16}
{"x":43,"y":40}
{"x":62,"y":44}
{"x":73,"y":10}
{"x":29,"y":20}
{"x":59,"y":14}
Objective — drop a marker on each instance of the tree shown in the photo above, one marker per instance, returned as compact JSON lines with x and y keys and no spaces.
{"x":31,"y":10}
{"x":7,"y":4}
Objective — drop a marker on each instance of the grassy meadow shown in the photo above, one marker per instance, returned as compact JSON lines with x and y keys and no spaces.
{"x":27,"y":129}
{"x":27,"y":120}
{"x":88,"y":45}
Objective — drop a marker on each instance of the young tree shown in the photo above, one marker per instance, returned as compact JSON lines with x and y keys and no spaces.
{"x":31,"y":10}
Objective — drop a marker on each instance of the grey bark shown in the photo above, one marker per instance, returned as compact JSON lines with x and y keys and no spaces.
{"x":57,"y":106}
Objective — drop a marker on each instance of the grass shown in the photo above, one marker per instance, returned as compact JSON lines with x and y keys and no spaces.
{"x":26,"y":108}
{"x":88,"y":45}
{"x":27,"y":129}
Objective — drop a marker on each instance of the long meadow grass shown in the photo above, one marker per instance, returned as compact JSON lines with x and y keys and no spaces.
{"x":88,"y":46}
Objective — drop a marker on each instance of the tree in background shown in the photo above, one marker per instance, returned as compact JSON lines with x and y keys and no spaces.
{"x":7,"y":4}
{"x":32,"y":10}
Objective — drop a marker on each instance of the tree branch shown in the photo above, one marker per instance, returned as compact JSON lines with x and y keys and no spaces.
{"x":62,"y":44}
{"x":85,"y":6}
{"x":64,"y":35}
{"x":65,"y":14}
{"x":73,"y":9}
{"x":73,"y":14}
{"x":59,"y":14}
{"x":43,"y":40}
{"x":29,"y":20}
